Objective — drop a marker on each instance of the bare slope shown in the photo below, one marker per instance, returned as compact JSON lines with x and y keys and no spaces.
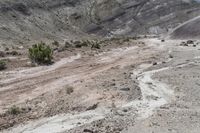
{"x":188,"y":30}
{"x":35,"y":20}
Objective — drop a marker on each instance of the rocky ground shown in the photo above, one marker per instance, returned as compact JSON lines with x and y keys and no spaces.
{"x":25,"y":22}
{"x":145,"y":85}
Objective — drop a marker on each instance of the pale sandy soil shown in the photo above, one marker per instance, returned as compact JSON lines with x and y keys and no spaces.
{"x":140,"y":87}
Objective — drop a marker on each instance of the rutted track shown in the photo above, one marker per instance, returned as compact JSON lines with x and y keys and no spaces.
{"x":52,"y":78}
{"x":28,"y":84}
{"x":150,"y":89}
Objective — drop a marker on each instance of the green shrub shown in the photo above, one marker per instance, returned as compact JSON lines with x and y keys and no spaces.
{"x":14,"y":110}
{"x":2,"y":65}
{"x":41,"y":53}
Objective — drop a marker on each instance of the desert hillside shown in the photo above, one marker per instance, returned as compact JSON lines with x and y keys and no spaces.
{"x":99,"y":66}
{"x":24,"y":21}
{"x":187,"y":30}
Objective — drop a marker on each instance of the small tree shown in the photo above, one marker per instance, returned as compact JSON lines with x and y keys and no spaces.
{"x":41,"y":53}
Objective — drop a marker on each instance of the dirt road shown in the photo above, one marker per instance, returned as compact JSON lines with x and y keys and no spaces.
{"x":124,"y":89}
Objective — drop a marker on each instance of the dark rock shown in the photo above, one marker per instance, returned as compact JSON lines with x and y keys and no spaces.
{"x":184,"y":44}
{"x":112,"y":84}
{"x":88,"y":131}
{"x":79,"y":123}
{"x":171,"y":56}
{"x":190,"y":42}
{"x":155,"y":63}
{"x":94,"y":106}
{"x":125,"y":89}
{"x":2,"y":54}
{"x":125,"y":110}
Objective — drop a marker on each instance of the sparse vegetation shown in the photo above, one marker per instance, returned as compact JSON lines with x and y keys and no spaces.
{"x":96,"y":46}
{"x":14,"y":53}
{"x":41,"y":53}
{"x":14,"y":110}
{"x":69,"y":90}
{"x":6,"y":49}
{"x":68,"y":44}
{"x":79,"y":44}
{"x":56,"y":43}
{"x":2,"y":65}
{"x":2,"y":54}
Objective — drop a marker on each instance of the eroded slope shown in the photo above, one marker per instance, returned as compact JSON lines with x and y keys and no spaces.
{"x":35,"y":20}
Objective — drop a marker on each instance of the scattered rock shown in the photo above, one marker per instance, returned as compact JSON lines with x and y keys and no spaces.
{"x":6,"y":49}
{"x":2,"y":54}
{"x":125,"y":89}
{"x":190,"y":42}
{"x":69,"y":90}
{"x":171,"y":56}
{"x":112,"y":84}
{"x":88,"y":131}
{"x":125,"y":110}
{"x":79,"y":123}
{"x":94,"y":106}
{"x":155,"y":63}
{"x":13,"y":53}
{"x":183,"y":44}
{"x":20,"y":47}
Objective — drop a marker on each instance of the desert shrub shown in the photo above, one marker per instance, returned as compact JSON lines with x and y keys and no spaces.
{"x":86,"y":43}
{"x":69,"y":89}
{"x":2,"y":54}
{"x":41,"y":53}
{"x":6,"y":49}
{"x":96,"y":46}
{"x":14,"y":53}
{"x":78,"y":44}
{"x":14,"y":110}
{"x":55,"y":43}
{"x":68,"y":44}
{"x":2,"y":65}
